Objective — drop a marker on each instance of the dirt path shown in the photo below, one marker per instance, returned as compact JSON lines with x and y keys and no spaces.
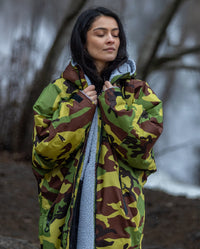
{"x":171,"y":222}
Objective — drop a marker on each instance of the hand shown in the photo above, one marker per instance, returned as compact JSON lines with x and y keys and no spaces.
{"x":107,"y":85}
{"x":91,"y":93}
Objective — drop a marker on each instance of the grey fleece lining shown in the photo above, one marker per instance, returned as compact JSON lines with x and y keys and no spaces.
{"x":86,"y":226}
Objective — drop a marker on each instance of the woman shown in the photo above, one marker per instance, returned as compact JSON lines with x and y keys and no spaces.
{"x":94,"y":131}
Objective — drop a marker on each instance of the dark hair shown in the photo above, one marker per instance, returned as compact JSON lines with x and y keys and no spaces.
{"x":82,"y":57}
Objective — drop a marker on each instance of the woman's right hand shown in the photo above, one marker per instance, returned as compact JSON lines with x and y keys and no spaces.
{"x":91,"y":93}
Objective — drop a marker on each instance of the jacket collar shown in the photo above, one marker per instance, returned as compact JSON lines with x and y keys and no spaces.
{"x":124,"y":71}
{"x":74,"y":73}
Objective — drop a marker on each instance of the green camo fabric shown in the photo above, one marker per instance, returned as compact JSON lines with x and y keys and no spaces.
{"x":129,"y":123}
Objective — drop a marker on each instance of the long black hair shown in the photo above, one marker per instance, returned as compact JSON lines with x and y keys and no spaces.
{"x":81,"y":56}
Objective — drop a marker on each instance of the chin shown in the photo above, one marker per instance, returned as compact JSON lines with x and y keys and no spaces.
{"x":110,"y":58}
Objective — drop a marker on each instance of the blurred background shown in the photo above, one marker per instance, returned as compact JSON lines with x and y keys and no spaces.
{"x":164,"y":40}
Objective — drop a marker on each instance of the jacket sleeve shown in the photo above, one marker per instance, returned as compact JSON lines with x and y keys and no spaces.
{"x":133,"y":123}
{"x":61,"y":122}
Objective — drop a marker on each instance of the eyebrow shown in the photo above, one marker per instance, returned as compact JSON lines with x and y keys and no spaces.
{"x":101,"y":28}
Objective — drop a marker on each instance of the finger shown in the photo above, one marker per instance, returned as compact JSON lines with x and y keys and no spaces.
{"x":104,"y":87}
{"x":91,"y":93}
{"x":88,"y":93}
{"x":89,"y":88}
{"x":108,"y":84}
{"x":94,"y":99}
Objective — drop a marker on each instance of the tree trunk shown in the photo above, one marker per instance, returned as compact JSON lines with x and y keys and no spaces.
{"x":42,"y":77}
{"x":154,"y":40}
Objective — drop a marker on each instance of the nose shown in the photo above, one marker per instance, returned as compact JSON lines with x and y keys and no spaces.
{"x":110,"y":38}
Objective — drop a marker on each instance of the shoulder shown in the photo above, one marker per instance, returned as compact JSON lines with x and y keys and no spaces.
{"x":59,"y":86}
{"x":51,"y":90}
{"x":134,"y":85}
{"x":65,"y":85}
{"x":56,"y":91}
{"x":140,"y":90}
{"x":137,"y":82}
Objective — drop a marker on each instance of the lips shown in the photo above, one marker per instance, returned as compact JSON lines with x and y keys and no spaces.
{"x":110,"y":49}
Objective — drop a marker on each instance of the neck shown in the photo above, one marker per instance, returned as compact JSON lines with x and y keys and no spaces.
{"x":100,"y":67}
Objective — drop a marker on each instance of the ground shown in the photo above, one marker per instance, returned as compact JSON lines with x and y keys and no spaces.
{"x":171,"y":222}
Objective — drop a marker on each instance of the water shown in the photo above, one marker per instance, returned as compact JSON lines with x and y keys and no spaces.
{"x":178,"y":147}
{"x":162,"y":180}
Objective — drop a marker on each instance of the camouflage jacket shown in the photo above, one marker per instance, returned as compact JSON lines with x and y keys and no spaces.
{"x":129,"y":123}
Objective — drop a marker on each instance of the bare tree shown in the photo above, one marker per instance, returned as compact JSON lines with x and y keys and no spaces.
{"x":149,"y":61}
{"x":155,"y":38}
{"x":160,"y":62}
{"x":23,"y":133}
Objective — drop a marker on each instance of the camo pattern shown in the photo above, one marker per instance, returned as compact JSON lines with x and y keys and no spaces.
{"x":129,"y":123}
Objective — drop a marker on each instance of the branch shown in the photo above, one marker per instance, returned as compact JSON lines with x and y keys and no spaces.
{"x":158,"y":62}
{"x":59,"y":42}
{"x":157,"y":34}
{"x":181,"y":67}
{"x":180,"y":146}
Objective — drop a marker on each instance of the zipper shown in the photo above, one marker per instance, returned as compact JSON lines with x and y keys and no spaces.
{"x":72,"y":226}
{"x":123,"y":200}
{"x":49,"y":218}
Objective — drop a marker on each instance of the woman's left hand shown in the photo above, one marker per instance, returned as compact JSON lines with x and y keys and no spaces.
{"x":107,"y":85}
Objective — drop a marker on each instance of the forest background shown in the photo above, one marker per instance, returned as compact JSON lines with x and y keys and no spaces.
{"x":163,"y":39}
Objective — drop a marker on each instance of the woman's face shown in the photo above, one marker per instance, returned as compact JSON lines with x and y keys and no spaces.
{"x":103,"y":41}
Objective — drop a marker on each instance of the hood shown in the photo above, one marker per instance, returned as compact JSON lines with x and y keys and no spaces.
{"x":125,"y":70}
{"x":73,"y":72}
